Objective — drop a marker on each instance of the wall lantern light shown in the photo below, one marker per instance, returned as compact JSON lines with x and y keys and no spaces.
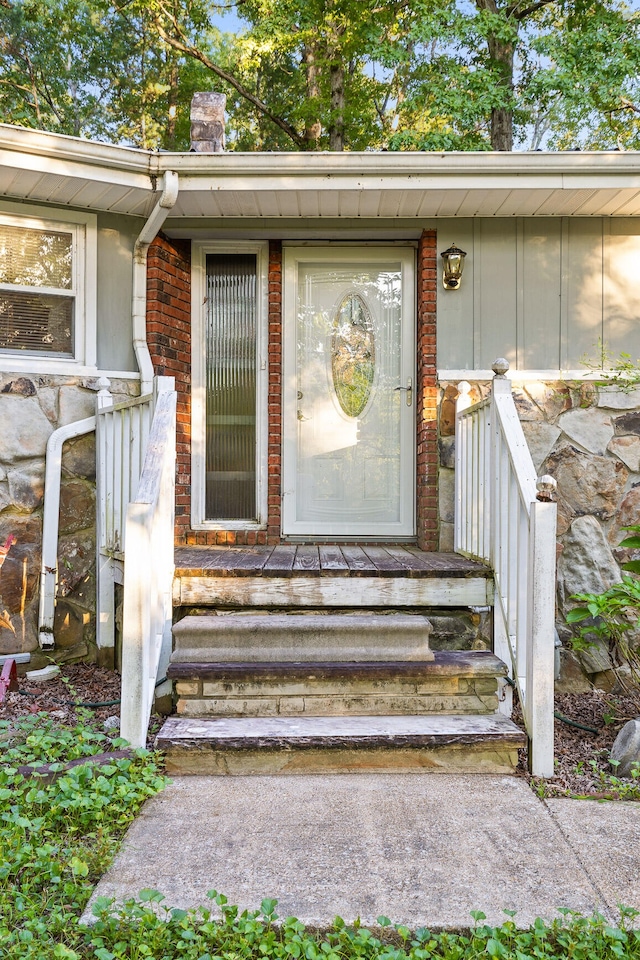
{"x":453,"y":265}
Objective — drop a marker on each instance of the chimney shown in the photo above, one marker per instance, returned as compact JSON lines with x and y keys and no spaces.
{"x":207,"y":122}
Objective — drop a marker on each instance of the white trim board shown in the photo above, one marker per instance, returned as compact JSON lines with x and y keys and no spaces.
{"x":84,"y":230}
{"x":334,"y":591}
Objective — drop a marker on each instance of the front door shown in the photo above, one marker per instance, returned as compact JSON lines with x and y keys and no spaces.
{"x":349,"y":378}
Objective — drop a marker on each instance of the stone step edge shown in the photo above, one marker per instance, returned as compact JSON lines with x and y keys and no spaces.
{"x":490,"y":729}
{"x":303,"y":622}
{"x":446,"y":663}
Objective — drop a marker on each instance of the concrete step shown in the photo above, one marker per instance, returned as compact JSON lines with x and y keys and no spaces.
{"x":454,"y":682}
{"x":332,"y":745}
{"x":301,"y":638}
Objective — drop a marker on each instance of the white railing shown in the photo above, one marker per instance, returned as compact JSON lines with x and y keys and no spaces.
{"x":505,"y":516}
{"x":148,"y":570}
{"x":122,"y":433}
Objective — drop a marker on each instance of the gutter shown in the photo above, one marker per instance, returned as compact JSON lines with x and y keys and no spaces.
{"x":139,"y":297}
{"x":49,"y":567}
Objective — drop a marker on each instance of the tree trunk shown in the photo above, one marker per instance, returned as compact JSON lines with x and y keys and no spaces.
{"x":313,"y":127}
{"x":502,"y":55}
{"x":501,"y":129}
{"x":336,"y":126}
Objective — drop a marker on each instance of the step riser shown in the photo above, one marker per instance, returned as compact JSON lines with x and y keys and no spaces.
{"x":337,"y":707}
{"x":446,"y":695}
{"x":453,"y":758}
{"x":310,"y":638}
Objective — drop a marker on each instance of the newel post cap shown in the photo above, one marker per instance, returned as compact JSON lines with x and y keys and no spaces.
{"x":546,"y":487}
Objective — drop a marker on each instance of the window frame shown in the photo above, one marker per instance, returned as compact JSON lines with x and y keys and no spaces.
{"x":84,"y":232}
{"x":199,"y":251}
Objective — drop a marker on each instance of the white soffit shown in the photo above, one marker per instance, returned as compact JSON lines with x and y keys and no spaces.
{"x":66,"y":171}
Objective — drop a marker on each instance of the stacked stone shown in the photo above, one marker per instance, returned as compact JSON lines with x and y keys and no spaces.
{"x":31,"y":408}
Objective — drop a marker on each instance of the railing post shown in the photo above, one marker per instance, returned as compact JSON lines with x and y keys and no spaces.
{"x":463,"y":402}
{"x":136,"y":628}
{"x":106,"y":612}
{"x":540,"y":630}
{"x":499,"y":385}
{"x":501,"y":641}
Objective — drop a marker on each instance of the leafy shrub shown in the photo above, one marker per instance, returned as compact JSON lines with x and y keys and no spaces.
{"x":613,"y":615}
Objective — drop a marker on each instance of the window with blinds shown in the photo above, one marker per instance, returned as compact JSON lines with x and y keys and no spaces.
{"x":231,"y":372}
{"x":37,"y":291}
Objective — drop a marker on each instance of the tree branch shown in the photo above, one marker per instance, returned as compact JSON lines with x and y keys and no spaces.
{"x":189,"y":50}
{"x":520,"y":15}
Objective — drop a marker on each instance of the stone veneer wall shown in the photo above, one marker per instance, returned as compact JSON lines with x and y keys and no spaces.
{"x":588,"y":438}
{"x":31,"y":408}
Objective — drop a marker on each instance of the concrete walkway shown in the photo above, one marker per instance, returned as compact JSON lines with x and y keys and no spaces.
{"x":422,"y":849}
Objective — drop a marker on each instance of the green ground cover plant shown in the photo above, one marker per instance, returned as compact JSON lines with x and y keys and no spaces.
{"x":60,"y":828}
{"x":58,"y":832}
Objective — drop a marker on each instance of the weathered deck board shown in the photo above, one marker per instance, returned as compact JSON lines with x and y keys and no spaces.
{"x":384,"y":562}
{"x":280,"y":562}
{"x":326,"y":560}
{"x":306,"y":563}
{"x":359,"y":563}
{"x":332,"y":561}
{"x":327,"y":591}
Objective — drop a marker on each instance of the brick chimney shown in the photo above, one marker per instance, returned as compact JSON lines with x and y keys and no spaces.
{"x":207,"y":122}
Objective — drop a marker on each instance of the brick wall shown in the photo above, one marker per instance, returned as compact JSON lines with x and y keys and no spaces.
{"x":169,"y":337}
{"x":427,"y":395}
{"x":275,"y":391}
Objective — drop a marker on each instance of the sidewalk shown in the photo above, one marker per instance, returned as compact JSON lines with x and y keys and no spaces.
{"x":422,"y":849}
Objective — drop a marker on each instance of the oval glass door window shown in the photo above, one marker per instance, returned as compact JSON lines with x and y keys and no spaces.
{"x":353,"y":355}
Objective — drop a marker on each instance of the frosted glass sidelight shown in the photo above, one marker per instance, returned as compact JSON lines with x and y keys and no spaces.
{"x":231,"y":387}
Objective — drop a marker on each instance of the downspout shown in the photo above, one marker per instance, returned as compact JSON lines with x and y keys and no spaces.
{"x":48,"y":569}
{"x":139,"y":299}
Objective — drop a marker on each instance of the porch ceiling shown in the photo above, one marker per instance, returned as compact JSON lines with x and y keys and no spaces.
{"x":66,"y":171}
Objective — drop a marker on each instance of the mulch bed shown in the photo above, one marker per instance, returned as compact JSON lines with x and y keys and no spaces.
{"x":581,"y":756}
{"x":81,"y":689}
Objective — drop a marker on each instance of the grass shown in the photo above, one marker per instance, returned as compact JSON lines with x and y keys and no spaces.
{"x":59,"y":835}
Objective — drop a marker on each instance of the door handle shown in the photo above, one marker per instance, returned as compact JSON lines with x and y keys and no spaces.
{"x":408,"y":391}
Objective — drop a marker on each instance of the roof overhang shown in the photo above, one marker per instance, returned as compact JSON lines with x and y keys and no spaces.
{"x":67,"y":171}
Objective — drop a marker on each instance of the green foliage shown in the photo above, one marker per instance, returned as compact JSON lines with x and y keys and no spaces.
{"x":604,"y":784}
{"x":328,"y":74}
{"x":58,"y":837}
{"x":613,"y":615}
{"x":621,"y":371}
{"x":147,"y":928}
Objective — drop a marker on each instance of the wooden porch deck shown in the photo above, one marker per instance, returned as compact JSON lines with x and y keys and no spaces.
{"x":291,"y":560}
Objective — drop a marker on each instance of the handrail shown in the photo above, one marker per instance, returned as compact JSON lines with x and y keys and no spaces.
{"x":148,"y":570}
{"x":505,"y":516}
{"x":50,"y":525}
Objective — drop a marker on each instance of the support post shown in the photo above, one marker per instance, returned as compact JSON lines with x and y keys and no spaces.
{"x":105,"y":613}
{"x":540,"y":630}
